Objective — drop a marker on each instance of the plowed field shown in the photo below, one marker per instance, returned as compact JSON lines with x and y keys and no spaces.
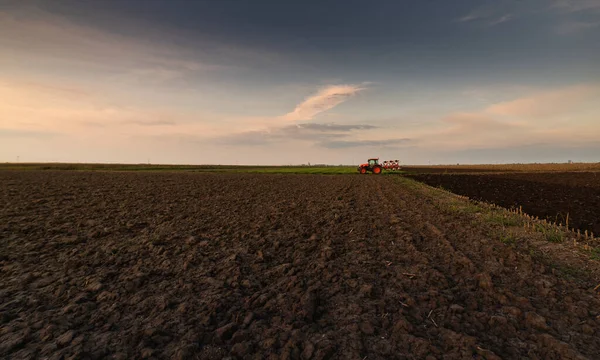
{"x":548,"y":195}
{"x":210,"y":266}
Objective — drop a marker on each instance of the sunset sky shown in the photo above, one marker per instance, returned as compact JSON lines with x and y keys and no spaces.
{"x":290,"y":82}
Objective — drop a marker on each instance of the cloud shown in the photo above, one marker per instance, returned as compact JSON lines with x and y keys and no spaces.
{"x":547,"y":103}
{"x":45,"y":107}
{"x":311,"y":132}
{"x":19,"y":133}
{"x":325,"y":99}
{"x":576,"y":5}
{"x":151,"y":75}
{"x":573,"y":27}
{"x":564,"y":116}
{"x":334,"y":127}
{"x":150,"y":122}
{"x":483,"y":12}
{"x":477,"y":121}
{"x":343,"y":144}
{"x":470,"y":129}
{"x":41,"y":35}
{"x":487,"y":18}
{"x":490,"y":14}
{"x":501,"y":19}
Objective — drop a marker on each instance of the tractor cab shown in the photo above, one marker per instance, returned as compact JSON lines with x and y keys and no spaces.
{"x":373,"y":162}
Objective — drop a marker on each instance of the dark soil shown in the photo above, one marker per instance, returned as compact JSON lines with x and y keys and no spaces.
{"x":444,"y":170}
{"x":546,"y":195}
{"x":208,"y":266}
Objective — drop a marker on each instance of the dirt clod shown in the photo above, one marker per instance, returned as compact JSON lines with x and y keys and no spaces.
{"x":367,"y":328}
{"x":65,"y":338}
{"x":240,"y":349}
{"x":536,"y":321}
{"x":226,"y":331}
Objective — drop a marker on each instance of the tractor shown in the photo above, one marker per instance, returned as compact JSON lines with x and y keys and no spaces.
{"x":371,"y":165}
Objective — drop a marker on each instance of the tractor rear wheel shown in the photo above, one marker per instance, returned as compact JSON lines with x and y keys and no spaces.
{"x":377,"y":170}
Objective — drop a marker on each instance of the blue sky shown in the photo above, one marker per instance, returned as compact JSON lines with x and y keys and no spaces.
{"x":286,"y":82}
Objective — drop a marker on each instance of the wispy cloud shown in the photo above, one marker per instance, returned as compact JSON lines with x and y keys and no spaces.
{"x":483,"y":12}
{"x":488,"y":15}
{"x":310,"y":132}
{"x":325,"y":99}
{"x":501,"y":19}
{"x":60,"y":41}
{"x":563,"y":116}
{"x":20,"y":133}
{"x":151,"y":122}
{"x":47,"y":108}
{"x":476,"y":121}
{"x":488,"y":20}
{"x":334,"y":127}
{"x":383,"y":143}
{"x":575,"y":27}
{"x":576,"y":5}
{"x":547,"y":103}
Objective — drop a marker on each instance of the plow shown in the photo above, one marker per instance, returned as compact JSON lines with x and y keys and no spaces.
{"x":374,"y":166}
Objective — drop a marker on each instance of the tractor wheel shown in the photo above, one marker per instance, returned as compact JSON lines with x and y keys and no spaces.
{"x":377,"y":170}
{"x":363,"y":170}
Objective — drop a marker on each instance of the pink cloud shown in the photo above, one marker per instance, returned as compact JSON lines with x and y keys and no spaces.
{"x":325,"y":99}
{"x":41,"y":34}
{"x":475,"y":121}
{"x":576,"y":5}
{"x":547,"y":103}
{"x":48,"y":107}
{"x":563,"y":116}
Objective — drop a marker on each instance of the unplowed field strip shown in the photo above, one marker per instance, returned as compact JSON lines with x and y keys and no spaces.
{"x":206,"y":266}
{"x":552,"y":196}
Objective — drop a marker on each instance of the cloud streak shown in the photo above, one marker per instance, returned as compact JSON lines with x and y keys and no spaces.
{"x":574,"y":27}
{"x":563,"y":116}
{"x":19,"y":133}
{"x":310,"y":132}
{"x":546,"y":103}
{"x":344,"y":144}
{"x":501,"y":19}
{"x":151,"y":122}
{"x":576,"y":5}
{"x":325,"y":99}
{"x":490,"y":15}
{"x":63,"y":42}
{"x":47,"y":108}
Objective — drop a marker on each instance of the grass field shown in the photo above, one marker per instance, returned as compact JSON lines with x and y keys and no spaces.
{"x":299,"y":169}
{"x":322,"y":170}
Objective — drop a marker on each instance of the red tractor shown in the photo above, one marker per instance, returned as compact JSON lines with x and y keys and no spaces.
{"x":371,"y":165}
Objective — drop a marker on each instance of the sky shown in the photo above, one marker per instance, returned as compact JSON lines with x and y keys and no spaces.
{"x":293,"y":82}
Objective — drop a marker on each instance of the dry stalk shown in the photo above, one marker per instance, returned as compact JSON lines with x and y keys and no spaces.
{"x":430,"y":318}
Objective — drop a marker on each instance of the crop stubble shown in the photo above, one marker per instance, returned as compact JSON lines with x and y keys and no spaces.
{"x":206,"y":266}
